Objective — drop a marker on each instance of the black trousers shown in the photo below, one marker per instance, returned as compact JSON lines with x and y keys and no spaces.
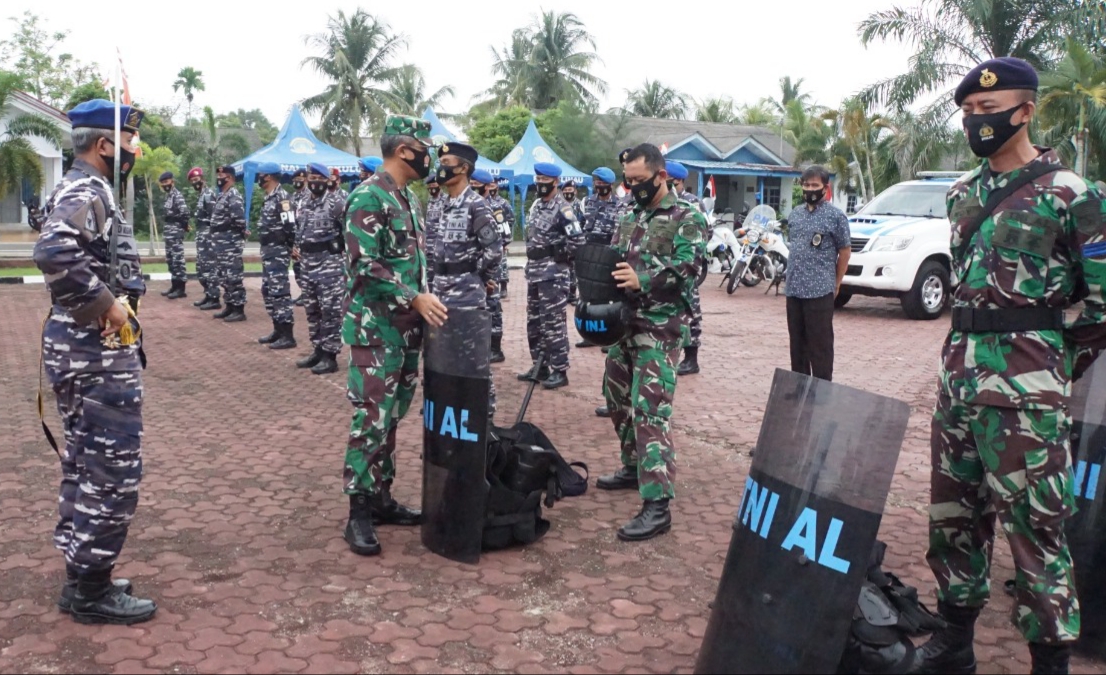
{"x":810,"y":325}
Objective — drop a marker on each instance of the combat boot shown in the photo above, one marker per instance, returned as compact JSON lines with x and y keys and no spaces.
{"x":653,"y":520}
{"x":497,"y":355}
{"x":388,"y":511}
{"x":69,"y":589}
{"x":285,"y":339}
{"x":584,"y":344}
{"x":1049,"y":659}
{"x":98,"y":601}
{"x":312,"y":360}
{"x":602,"y":411}
{"x":556,"y":380}
{"x":206,"y":300}
{"x":690,"y":364}
{"x":167,"y":291}
{"x":359,"y":533}
{"x":328,"y":363}
{"x":298,"y":302}
{"x":623,"y":479}
{"x":237,"y":314}
{"x":227,"y":311}
{"x":950,"y":649}
{"x":177,"y":291}
{"x":531,"y":374}
{"x":271,"y":337}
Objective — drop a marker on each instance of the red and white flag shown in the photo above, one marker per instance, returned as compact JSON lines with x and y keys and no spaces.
{"x":664,"y":148}
{"x":710,"y":187}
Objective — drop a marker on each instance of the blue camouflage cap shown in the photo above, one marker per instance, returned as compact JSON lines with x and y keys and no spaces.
{"x":318,"y":169}
{"x":604,"y":174}
{"x":483,"y":176}
{"x":676,"y":171}
{"x":100,"y":114}
{"x":270,"y":168}
{"x":547,"y":169}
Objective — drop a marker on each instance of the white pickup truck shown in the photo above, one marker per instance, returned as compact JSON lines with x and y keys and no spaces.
{"x":900,"y":246}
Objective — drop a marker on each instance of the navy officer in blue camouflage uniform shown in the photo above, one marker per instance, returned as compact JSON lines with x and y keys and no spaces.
{"x":481,"y":183}
{"x":277,"y":232}
{"x":91,"y":352}
{"x":501,"y":206}
{"x":690,"y":365}
{"x":601,"y":211}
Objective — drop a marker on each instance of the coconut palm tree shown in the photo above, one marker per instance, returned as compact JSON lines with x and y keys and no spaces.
{"x":560,"y":68}
{"x":1074,"y":92}
{"x":790,"y":91}
{"x":214,"y":144}
{"x":356,"y":54}
{"x":858,"y":130}
{"x":18,"y":160}
{"x":408,"y":89}
{"x":190,"y":80}
{"x":716,"y":110}
{"x":758,"y":114}
{"x":907,"y":143}
{"x":654,"y":99}
{"x":511,"y":67}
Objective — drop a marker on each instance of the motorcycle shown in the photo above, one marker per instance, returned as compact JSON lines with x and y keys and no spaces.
{"x":763,"y":253}
{"x":721,"y":249}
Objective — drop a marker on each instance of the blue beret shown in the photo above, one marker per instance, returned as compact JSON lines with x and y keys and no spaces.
{"x":318,"y":169}
{"x":100,"y":114}
{"x":998,"y":74}
{"x":271,"y":168}
{"x":483,"y":176}
{"x":547,"y":169}
{"x":168,"y":175}
{"x":676,"y":171}
{"x":604,"y":174}
{"x":371,"y":164}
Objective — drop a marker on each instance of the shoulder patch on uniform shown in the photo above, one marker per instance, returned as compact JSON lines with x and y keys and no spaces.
{"x":567,"y":212}
{"x":1088,"y":215}
{"x":286,"y":205}
{"x":691,"y":231}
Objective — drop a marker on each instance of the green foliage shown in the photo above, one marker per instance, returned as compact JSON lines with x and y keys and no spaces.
{"x":190,"y":81}
{"x":494,"y":136}
{"x":577,"y":138}
{"x":87,"y":92}
{"x":720,"y":110}
{"x":1073,"y":105}
{"x":249,"y":119}
{"x":18,"y":159}
{"x":654,"y":99}
{"x":38,"y":55}
{"x":407,"y":89}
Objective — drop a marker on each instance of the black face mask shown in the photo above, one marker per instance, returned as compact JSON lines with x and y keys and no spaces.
{"x":261,"y":180}
{"x":493,"y":192}
{"x":420,"y":164}
{"x":166,"y":188}
{"x":988,"y":133}
{"x":603,"y":191}
{"x":448,"y":173}
{"x":221,"y":182}
{"x":813,"y":196}
{"x":332,"y":186}
{"x":298,"y":184}
{"x":198,"y":186}
{"x":570,"y":196}
{"x":317,"y":189}
{"x":545,"y":189}
{"x":126,"y":163}
{"x":645,"y":191}
{"x":434,"y":192}
{"x":480,"y":189}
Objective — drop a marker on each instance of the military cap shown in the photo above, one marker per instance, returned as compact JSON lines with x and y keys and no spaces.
{"x":195,"y":172}
{"x":270,"y":168}
{"x":168,"y":175}
{"x":568,"y":184}
{"x":999,"y":74}
{"x":431,"y":180}
{"x":483,"y":176}
{"x":318,"y":169}
{"x":371,"y":164}
{"x":226,"y":168}
{"x":465,"y":152}
{"x":299,"y":172}
{"x":403,"y":125}
{"x":100,"y":114}
{"x":547,"y":169}
{"x":604,"y":174}
{"x":676,"y":171}
{"x":624,"y":154}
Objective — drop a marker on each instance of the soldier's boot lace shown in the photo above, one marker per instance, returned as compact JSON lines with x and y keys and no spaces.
{"x":623,"y":479}
{"x":69,"y":589}
{"x":238,"y":313}
{"x":271,"y":337}
{"x":311,"y":360}
{"x":950,"y":649}
{"x":556,"y":380}
{"x":387,"y":511}
{"x":177,"y":291}
{"x":98,"y":601}
{"x":285,"y":339}
{"x":359,"y":533}
{"x":690,"y":364}
{"x":1049,"y":659}
{"x":497,"y":355}
{"x":653,"y":520}
{"x":328,"y":363}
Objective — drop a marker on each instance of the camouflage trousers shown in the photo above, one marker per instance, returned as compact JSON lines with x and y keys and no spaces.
{"x":546,"y":322}
{"x":297,"y":272}
{"x":323,"y":285}
{"x":1015,"y":465}
{"x":696,"y":339}
{"x":228,"y":266}
{"x":640,"y":385}
{"x":174,"y":252}
{"x":101,"y":466}
{"x":495,"y":306}
{"x":381,"y":384}
{"x":205,"y":262}
{"x":276,"y":291}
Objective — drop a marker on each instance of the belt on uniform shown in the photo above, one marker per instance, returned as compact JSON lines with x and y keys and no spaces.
{"x":593,"y":238}
{"x":317,"y":246}
{"x":225,"y":228}
{"x":539,"y":252}
{"x":276,"y":239}
{"x":970,"y":320}
{"x":454,"y":268}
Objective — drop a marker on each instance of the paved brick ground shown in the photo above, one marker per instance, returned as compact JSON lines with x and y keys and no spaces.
{"x":238,"y":534}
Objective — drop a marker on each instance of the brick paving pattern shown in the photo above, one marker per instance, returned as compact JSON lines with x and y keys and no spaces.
{"x":238,"y":534}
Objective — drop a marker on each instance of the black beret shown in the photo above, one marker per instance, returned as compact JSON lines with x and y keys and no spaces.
{"x":998,"y":74}
{"x":624,"y":154}
{"x":465,"y":152}
{"x":168,"y":175}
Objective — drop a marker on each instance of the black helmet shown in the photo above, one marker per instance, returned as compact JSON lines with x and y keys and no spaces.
{"x":602,"y":324}
{"x":594,"y":264}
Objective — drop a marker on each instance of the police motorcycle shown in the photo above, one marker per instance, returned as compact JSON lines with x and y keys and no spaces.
{"x":763,"y":254}
{"x":722,"y":247}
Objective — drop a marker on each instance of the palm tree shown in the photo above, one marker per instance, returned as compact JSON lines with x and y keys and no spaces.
{"x":657,"y":100}
{"x":1074,"y":91}
{"x":716,"y":110}
{"x":190,"y":80}
{"x":18,"y":160}
{"x":789,"y":91}
{"x":951,"y":36}
{"x":511,"y":67}
{"x":756,"y":115}
{"x":857,"y":129}
{"x":151,"y":163}
{"x":908,"y":143}
{"x":559,"y":68}
{"x":216,"y":144}
{"x":408,"y":89}
{"x":356,"y":54}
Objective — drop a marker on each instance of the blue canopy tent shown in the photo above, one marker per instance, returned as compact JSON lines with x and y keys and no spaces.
{"x":294,"y":148}
{"x":532,"y":149}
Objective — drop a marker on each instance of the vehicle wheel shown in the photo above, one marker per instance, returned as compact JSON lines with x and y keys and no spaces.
{"x":927,"y":298}
{"x":753,"y":275}
{"x":842,"y":298}
{"x":736,"y":273}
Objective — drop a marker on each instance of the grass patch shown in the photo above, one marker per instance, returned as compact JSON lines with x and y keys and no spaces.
{"x":148,"y":268}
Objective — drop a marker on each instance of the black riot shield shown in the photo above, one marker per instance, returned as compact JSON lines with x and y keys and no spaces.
{"x":455,"y":434}
{"x":1086,"y":530}
{"x":803,"y":534}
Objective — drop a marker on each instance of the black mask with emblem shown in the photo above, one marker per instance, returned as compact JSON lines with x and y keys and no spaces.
{"x":198,"y":185}
{"x":812,"y":197}
{"x":481,"y":190}
{"x":420,"y":164}
{"x":603,"y":191}
{"x":434,"y":192}
{"x":645,"y":191}
{"x":298,"y":184}
{"x":988,"y":133}
{"x":318,"y":189}
{"x":493,"y":191}
{"x":545,"y":189}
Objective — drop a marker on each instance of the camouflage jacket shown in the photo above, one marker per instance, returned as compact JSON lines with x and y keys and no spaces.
{"x":320,"y":219}
{"x":1045,"y":246}
{"x":205,"y":207}
{"x":504,"y":216}
{"x":435,"y":208}
{"x":175,"y":208}
{"x":468,"y":235}
{"x":663,"y":246}
{"x":299,"y":198}
{"x":385,"y":265}
{"x":692,"y":199}
{"x":229,"y":214}
{"x":74,"y":253}
{"x":277,"y":225}
{"x":340,"y":197}
{"x":577,"y":208}
{"x":553,"y":226}
{"x":601,"y":218}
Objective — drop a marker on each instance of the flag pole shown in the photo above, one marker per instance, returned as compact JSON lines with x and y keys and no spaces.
{"x":115,"y":180}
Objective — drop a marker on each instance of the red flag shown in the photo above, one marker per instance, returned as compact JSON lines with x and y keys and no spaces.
{"x":126,"y":98}
{"x":710,"y":187}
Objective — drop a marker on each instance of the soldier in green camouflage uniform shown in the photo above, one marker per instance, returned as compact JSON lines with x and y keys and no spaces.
{"x":386,"y":303}
{"x":1000,"y":443}
{"x":662,"y":241}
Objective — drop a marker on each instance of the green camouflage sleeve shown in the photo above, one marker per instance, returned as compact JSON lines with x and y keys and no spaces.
{"x":1087,"y":215}
{"x":369,"y":233}
{"x":682,"y":267}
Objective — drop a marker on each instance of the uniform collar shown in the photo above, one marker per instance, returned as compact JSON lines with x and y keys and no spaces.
{"x":87,"y":168}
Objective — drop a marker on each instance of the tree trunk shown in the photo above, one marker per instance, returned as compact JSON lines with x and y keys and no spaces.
{"x":153,"y":218}
{"x":1080,"y":142}
{"x":860,"y":168}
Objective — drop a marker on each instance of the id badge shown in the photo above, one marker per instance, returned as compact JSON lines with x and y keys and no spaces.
{"x":816,"y":240}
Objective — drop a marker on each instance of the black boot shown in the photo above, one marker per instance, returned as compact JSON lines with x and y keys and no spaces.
{"x":98,"y":601}
{"x":556,"y":380}
{"x":209,"y":302}
{"x":653,"y":520}
{"x":950,"y":649}
{"x":328,"y":363}
{"x":284,"y":339}
{"x":530,"y":374}
{"x":360,"y":534}
{"x":583,"y":344}
{"x":227,"y":311}
{"x":623,"y":479}
{"x":497,"y":350}
{"x":271,"y":337}
{"x":172,"y":287}
{"x":298,"y":302}
{"x":388,"y":511}
{"x":69,"y":589}
{"x":177,"y":291}
{"x":312,"y":360}
{"x":602,"y":411}
{"x":237,"y":314}
{"x":690,"y":364}
{"x":1049,"y":659}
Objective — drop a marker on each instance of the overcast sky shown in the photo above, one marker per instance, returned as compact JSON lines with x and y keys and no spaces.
{"x":250,"y":53}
